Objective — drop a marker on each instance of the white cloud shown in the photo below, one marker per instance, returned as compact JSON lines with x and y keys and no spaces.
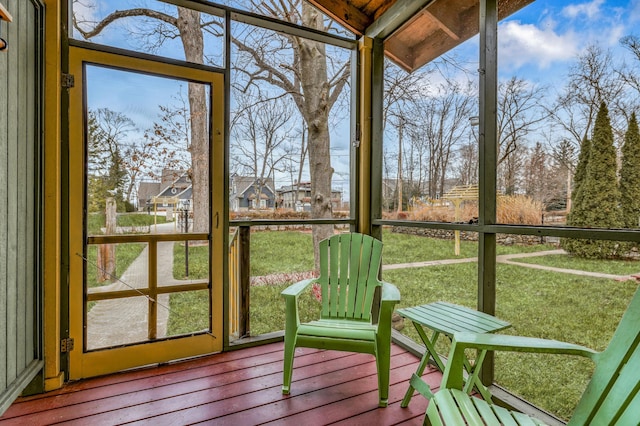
{"x":521,"y":44}
{"x":634,"y":11}
{"x":590,"y":9}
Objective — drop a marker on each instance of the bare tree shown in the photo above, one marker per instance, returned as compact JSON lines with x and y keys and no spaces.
{"x":519,"y":112}
{"x":185,"y":25}
{"x":108,"y":135}
{"x":262,"y":137}
{"x":442,"y":121}
{"x":302,"y":74}
{"x":564,"y":156}
{"x":467,"y":165}
{"x":630,"y":74}
{"x":591,"y":80}
{"x":302,"y":69}
{"x":536,"y":173}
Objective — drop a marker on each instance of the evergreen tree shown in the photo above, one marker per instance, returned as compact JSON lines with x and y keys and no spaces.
{"x":630,"y":176}
{"x":573,"y":216}
{"x":579,"y":177}
{"x":598,"y":196}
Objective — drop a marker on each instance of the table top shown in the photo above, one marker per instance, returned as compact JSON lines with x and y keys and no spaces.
{"x":448,"y":318}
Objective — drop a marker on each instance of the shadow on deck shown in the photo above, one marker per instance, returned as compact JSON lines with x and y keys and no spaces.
{"x":241,"y":387}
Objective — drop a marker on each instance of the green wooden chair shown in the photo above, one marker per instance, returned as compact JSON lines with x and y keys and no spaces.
{"x":356,"y":307}
{"x":611,"y":397}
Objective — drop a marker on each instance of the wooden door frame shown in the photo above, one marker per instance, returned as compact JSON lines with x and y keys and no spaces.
{"x":98,"y":362}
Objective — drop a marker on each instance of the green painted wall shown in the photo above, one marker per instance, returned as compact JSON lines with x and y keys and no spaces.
{"x":20,"y":136}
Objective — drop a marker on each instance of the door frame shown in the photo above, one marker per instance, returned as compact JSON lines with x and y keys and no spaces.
{"x":98,"y":362}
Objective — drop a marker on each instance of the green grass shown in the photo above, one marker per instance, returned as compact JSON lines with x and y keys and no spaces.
{"x":96,"y":221}
{"x":565,"y":261}
{"x":402,"y":248}
{"x":198,"y":261}
{"x":189,"y":312}
{"x":274,"y":252}
{"x":545,"y":304}
{"x":125,"y":255}
{"x":267,"y":308}
{"x":562,"y":307}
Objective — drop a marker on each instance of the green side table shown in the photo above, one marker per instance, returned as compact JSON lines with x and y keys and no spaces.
{"x":447,"y":318}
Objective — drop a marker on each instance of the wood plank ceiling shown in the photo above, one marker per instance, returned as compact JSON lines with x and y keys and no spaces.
{"x":414,"y":31}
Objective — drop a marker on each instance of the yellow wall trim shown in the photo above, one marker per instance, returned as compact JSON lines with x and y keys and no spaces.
{"x":52,"y":195}
{"x":365,"y":48}
{"x":53,"y":383}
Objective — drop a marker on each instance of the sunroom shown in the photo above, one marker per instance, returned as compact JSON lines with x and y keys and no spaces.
{"x":170,"y":166}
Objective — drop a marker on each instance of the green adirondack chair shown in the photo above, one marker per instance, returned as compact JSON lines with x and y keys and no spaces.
{"x":611,"y":397}
{"x":356,"y":307}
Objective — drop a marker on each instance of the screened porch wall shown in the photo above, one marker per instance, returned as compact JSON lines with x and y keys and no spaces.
{"x":20,"y":321}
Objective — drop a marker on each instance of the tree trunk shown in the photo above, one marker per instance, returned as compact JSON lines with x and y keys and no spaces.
{"x":315,"y":86}
{"x":188,"y":24}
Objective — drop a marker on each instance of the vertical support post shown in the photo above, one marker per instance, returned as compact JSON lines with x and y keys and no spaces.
{"x":153,"y":288}
{"x":456,"y":233}
{"x":377,"y":95}
{"x":365,"y":48}
{"x":488,"y":152}
{"x":185,"y":216}
{"x":55,"y":215}
{"x":244,"y":251}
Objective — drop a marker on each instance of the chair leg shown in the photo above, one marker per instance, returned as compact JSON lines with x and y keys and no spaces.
{"x":383,"y":362}
{"x":289,"y":348}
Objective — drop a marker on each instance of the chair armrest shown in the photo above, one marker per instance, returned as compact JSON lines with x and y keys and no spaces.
{"x":390,"y":293}
{"x":297,"y":288}
{"x":500,"y":342}
{"x":453,"y":373}
{"x":290,"y":294}
{"x":389,"y":297}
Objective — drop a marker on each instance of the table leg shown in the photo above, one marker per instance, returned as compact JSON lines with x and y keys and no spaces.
{"x":473,"y":378}
{"x":429,"y":352}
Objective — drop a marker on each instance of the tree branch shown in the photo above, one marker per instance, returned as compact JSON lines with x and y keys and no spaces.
{"x":120,"y":14}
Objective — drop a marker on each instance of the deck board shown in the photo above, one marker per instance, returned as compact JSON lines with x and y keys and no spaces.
{"x":236,"y":388}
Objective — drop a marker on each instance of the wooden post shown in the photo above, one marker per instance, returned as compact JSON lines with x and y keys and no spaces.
{"x":107,"y":252}
{"x":457,"y":203}
{"x":488,"y":153}
{"x":244,"y":236}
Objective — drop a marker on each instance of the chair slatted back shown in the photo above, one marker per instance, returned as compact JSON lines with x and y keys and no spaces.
{"x":612,"y":395}
{"x":349,"y":266}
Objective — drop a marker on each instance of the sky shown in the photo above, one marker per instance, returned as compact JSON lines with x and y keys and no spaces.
{"x":538,"y":43}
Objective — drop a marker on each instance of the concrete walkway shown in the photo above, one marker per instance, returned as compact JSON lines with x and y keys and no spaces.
{"x":122,"y":321}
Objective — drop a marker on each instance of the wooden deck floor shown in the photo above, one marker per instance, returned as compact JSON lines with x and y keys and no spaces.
{"x":235,"y":388}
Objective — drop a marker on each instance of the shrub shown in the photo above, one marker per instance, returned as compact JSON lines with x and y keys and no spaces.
{"x":519,"y":209}
{"x":512,"y":209}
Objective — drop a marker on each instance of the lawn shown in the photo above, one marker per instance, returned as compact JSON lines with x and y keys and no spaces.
{"x":96,"y":221}
{"x":126,"y":253}
{"x":541,"y":304}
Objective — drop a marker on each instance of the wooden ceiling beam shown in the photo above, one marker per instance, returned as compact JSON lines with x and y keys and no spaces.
{"x":395,"y":16}
{"x":444,"y":27}
{"x":345,"y":14}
